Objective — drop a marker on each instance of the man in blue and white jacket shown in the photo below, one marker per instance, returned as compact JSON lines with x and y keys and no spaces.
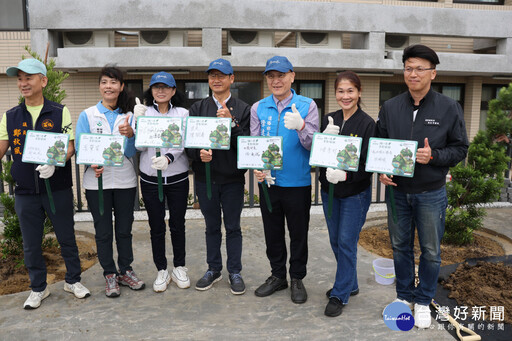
{"x":295,"y":118}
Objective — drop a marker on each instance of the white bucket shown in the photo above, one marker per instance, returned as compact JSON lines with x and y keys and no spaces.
{"x":384,"y":269}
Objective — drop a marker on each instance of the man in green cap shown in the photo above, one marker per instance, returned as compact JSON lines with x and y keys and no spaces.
{"x":37,"y":113}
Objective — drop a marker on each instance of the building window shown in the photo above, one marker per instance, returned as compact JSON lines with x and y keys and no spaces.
{"x":388,"y":91}
{"x":134,"y":88}
{"x":14,"y":15}
{"x":489,"y":92}
{"x":314,"y":90}
{"x":479,"y":2}
{"x":249,"y":92}
{"x":454,"y":91}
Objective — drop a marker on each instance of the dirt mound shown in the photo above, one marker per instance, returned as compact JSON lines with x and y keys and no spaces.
{"x":14,"y":276}
{"x":484,"y":284}
{"x":376,"y":240}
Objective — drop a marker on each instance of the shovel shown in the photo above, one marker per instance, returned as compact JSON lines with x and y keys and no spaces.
{"x":472,"y":337}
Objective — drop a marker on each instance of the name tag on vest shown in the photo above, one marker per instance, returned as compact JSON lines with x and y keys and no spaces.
{"x":431,"y":122}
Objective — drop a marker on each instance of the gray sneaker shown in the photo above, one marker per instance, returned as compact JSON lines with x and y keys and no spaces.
{"x":112,"y":286}
{"x":208,"y":279}
{"x":237,"y":284}
{"x":131,"y":280}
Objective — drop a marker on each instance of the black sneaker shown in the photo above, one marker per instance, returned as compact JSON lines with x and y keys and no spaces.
{"x":271,"y":285}
{"x":237,"y":284}
{"x":208,"y":279}
{"x":334,"y":307}
{"x":353,"y":293}
{"x":299,"y":293}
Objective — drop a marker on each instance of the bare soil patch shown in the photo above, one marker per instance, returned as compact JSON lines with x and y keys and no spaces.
{"x":14,"y":277}
{"x":376,"y":239}
{"x":484,"y":284}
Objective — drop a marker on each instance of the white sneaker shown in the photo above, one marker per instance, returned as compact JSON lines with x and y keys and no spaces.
{"x":180,"y":277}
{"x":422,"y":317}
{"x":161,"y":281}
{"x":34,"y":299}
{"x":407,"y":303}
{"x":77,"y":289}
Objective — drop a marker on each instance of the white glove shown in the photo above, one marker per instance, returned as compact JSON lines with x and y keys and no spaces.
{"x":335,"y":175}
{"x":268,"y":177}
{"x":331,"y":128}
{"x":139,"y":109}
{"x":293,"y":120}
{"x":159,"y":163}
{"x":45,"y":171}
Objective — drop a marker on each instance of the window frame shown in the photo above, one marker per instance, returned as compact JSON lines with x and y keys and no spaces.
{"x":25,"y":20}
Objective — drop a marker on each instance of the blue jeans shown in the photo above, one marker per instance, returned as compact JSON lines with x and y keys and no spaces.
{"x":348,"y":217}
{"x":230,"y":199}
{"x":426,"y":212}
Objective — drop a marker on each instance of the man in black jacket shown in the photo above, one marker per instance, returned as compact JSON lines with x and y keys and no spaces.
{"x":436,"y":122}
{"x":227,"y":180}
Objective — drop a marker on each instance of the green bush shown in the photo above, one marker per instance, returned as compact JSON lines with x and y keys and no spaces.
{"x":480,"y":180}
{"x":12,"y":242}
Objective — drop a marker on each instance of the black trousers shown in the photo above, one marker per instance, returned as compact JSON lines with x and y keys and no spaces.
{"x":228,"y":198}
{"x":30,"y":210}
{"x":122,"y":201}
{"x":176,"y":196}
{"x":292,"y":204}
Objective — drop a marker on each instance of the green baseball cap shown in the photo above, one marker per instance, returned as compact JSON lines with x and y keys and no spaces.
{"x":31,"y":66}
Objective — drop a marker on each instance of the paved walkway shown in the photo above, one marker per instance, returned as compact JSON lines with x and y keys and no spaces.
{"x":216,"y":314}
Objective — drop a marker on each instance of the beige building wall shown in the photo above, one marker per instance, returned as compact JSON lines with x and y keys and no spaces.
{"x":12,"y":46}
{"x":472,"y":100}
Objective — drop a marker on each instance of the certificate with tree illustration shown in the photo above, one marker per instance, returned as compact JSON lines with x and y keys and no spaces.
{"x":336,"y":151}
{"x":101,"y":150}
{"x":260,"y":152}
{"x":45,"y":148}
{"x":394,"y":157}
{"x":208,"y":133}
{"x":159,"y":132}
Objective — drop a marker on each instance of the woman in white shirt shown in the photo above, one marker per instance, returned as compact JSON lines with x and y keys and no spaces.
{"x":112,"y":116}
{"x":163,"y":100}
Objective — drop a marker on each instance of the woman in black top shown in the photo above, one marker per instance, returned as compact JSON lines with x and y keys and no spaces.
{"x":352,"y":191}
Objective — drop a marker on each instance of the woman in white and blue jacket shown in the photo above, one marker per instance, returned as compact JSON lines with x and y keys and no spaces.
{"x":112,"y":116}
{"x":163,"y":100}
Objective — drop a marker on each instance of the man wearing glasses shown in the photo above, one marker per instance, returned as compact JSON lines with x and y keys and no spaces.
{"x":436,"y":122}
{"x":227,"y":180}
{"x":295,"y":118}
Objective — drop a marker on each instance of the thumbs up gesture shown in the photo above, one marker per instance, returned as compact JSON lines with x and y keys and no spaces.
{"x":331,"y":128}
{"x":293,"y":120}
{"x":139,"y":109}
{"x":224,"y":111}
{"x":424,"y":155}
{"x":125,"y":128}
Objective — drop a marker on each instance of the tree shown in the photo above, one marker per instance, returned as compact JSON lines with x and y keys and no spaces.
{"x":480,"y":180}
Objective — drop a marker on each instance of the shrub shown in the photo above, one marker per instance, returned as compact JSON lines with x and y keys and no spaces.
{"x":480,"y":180}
